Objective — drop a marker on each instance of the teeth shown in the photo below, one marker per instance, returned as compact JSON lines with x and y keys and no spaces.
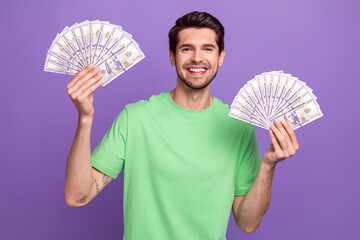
{"x":197,"y":69}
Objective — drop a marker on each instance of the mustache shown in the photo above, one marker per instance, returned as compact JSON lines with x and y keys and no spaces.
{"x":196,"y":64}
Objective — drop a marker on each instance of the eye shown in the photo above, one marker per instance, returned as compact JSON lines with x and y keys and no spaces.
{"x":208,"y":49}
{"x":185,"y":49}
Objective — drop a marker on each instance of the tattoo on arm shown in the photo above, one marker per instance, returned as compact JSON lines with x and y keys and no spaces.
{"x":97,"y":187}
{"x":82,"y":200}
{"x":105,"y":179}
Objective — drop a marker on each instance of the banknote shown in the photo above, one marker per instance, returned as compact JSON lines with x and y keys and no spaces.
{"x":100,"y":43}
{"x":114,"y":64}
{"x":275,"y":95}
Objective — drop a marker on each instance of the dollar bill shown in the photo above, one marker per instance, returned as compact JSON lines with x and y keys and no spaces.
{"x":114,"y":64}
{"x":100,"y":43}
{"x":275,"y":95}
{"x":300,"y":114}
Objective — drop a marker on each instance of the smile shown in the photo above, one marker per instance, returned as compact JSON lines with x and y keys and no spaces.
{"x":197,"y":70}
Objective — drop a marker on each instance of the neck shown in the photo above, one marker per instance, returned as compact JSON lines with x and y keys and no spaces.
{"x":191,"y":99}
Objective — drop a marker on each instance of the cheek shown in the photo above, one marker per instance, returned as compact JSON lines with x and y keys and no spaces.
{"x":179,"y":62}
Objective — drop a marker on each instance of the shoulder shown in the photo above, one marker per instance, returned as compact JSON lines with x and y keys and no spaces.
{"x":143,"y":106}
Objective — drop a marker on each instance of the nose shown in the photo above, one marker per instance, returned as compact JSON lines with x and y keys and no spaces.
{"x":196,"y":56}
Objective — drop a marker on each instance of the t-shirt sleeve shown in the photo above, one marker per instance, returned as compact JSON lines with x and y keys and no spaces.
{"x":248,"y":163}
{"x":109,"y":155}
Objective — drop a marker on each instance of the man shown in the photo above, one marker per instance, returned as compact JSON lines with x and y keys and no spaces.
{"x":185,"y":162}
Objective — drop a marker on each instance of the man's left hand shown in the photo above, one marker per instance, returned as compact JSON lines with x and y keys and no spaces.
{"x":283,"y":143}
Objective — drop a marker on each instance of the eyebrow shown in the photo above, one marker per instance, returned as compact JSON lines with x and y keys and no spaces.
{"x":190,"y":45}
{"x":209,"y":45}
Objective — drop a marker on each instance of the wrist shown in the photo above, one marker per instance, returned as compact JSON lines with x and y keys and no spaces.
{"x":269,"y":167}
{"x":85,"y":120}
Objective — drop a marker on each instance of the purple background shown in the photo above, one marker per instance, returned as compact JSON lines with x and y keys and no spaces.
{"x":315,"y":193}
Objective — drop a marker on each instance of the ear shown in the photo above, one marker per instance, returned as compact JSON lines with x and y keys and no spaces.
{"x":221,"y":57}
{"x":172,"y":58}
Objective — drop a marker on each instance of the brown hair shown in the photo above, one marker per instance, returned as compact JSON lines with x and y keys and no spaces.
{"x":196,"y":20}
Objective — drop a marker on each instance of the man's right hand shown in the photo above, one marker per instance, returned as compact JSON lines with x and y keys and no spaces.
{"x":81,"y":87}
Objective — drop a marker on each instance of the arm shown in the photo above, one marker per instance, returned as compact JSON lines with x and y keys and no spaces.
{"x":100,"y":180}
{"x":82,"y":182}
{"x":248,"y":210}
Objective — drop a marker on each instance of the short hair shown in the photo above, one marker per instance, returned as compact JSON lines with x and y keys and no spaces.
{"x":196,"y":20}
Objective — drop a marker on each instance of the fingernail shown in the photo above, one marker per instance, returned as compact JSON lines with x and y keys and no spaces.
{"x":284,"y":121}
{"x":277,"y":121}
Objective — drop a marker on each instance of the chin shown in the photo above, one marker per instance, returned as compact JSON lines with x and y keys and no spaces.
{"x":196,"y":86}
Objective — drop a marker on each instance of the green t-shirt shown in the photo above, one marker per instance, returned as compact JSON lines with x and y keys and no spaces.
{"x":182,"y":168}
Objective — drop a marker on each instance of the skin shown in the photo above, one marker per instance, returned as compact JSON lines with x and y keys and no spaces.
{"x":196,"y":48}
{"x":82,"y":181}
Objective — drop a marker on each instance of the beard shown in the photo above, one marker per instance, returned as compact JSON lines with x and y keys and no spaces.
{"x":190,"y":84}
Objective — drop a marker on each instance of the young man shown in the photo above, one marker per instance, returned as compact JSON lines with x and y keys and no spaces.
{"x":186,"y":163}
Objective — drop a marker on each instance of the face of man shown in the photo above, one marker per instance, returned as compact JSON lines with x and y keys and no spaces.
{"x":197,"y":57}
{"x":289,"y":117}
{"x":113,"y":65}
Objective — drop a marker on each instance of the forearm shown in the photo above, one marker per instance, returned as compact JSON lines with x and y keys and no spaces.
{"x":79,"y":176}
{"x":256,"y":202}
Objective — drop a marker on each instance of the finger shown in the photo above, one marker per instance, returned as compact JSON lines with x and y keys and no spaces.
{"x":292,"y":135}
{"x":274,"y":141}
{"x":89,"y":90}
{"x":83,"y":79}
{"x":284,"y":133}
{"x":280,"y":127}
{"x":87,"y":84}
{"x":290,"y":148}
{"x":79,"y":75}
{"x":283,"y":143}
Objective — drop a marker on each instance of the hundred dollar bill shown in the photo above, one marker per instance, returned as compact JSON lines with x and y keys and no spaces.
{"x":60,"y":49}
{"x":275,"y":95}
{"x":58,"y":60}
{"x":95,"y":38}
{"x":77,"y":38}
{"x":244,"y":116}
{"x":80,"y":32}
{"x":104,"y":37}
{"x":244,"y":100}
{"x":130,"y":56}
{"x":68,"y":38}
{"x":299,"y":95}
{"x":300,"y":114}
{"x":118,"y":42}
{"x":93,"y":42}
{"x":115,"y":64}
{"x":253,"y":88}
{"x":111,"y":67}
{"x":51,"y":66}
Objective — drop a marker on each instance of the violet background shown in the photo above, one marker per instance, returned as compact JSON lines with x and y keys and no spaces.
{"x":315,"y":193}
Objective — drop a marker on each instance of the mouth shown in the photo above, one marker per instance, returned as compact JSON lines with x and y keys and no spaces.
{"x":198,"y":71}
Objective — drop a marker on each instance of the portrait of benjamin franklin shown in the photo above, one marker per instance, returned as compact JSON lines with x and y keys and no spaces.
{"x":113,"y":67}
{"x":291,"y":119}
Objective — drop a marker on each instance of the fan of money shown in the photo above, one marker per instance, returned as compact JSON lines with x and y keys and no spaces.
{"x":275,"y":95}
{"x":105,"y":45}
